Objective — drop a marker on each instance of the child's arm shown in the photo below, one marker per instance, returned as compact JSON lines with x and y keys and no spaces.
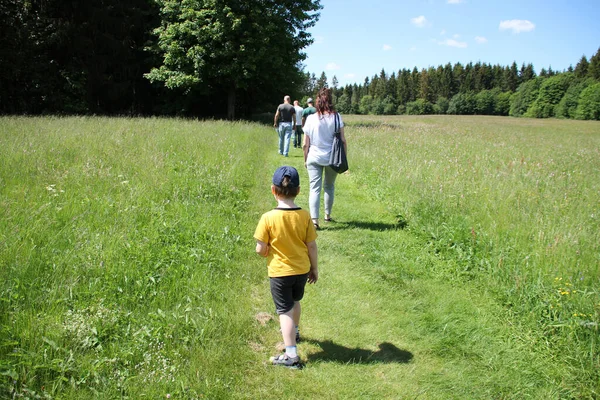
{"x":313,"y":274}
{"x":262,"y":248}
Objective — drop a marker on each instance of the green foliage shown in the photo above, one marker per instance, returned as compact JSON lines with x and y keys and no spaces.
{"x":441,"y":105}
{"x":485,"y":102}
{"x":463,"y":104}
{"x":568,"y":104}
{"x":594,"y":67}
{"x":550,"y":94}
{"x":366,"y":105}
{"x":502,"y":103}
{"x":389,"y":107}
{"x":206,"y":44}
{"x":588,"y":106}
{"x":419,"y":107}
{"x":525,"y":95}
{"x":343,"y":104}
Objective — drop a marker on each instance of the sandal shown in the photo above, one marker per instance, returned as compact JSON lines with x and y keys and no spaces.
{"x":329,"y":220}
{"x":284,"y":360}
{"x":316,"y":226}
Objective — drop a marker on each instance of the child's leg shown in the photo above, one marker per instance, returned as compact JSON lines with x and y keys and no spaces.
{"x":288,"y":328}
{"x":296,"y":313}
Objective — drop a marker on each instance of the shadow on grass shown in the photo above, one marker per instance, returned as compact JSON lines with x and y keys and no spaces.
{"x":387,"y":353}
{"x":373,"y":226}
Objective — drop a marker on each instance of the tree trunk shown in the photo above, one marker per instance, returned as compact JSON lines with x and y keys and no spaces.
{"x":231,"y":104}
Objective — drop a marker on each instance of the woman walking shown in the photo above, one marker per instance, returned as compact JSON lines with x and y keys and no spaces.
{"x":318,"y":138}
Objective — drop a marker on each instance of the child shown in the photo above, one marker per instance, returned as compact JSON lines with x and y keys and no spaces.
{"x":286,"y":237}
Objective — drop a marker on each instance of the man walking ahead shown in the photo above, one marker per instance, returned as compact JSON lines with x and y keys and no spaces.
{"x":298,"y":128}
{"x":287,"y":113}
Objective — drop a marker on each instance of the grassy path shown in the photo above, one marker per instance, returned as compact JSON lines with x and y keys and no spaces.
{"x":379,"y":325}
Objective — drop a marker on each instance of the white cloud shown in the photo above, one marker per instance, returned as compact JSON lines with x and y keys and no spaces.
{"x":332,"y":66}
{"x":480,"y":39}
{"x":387,"y":47}
{"x":419,"y":21}
{"x":456,"y":36}
{"x":453,"y":43}
{"x":443,"y":32}
{"x":517,"y":25}
{"x":349,"y":76}
{"x":455,"y":1}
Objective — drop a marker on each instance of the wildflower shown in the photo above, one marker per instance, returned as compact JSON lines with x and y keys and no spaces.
{"x":168,"y":395}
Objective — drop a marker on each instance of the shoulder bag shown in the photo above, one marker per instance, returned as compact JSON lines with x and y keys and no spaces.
{"x":338,"y":160}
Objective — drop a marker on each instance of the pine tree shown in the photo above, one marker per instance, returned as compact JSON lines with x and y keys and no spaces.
{"x":581,"y":69}
{"x":527,"y":73}
{"x":322,"y":82}
{"x":594,"y":67}
{"x":511,"y":78}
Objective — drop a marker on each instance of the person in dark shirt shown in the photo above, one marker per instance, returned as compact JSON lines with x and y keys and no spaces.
{"x":285,"y":120}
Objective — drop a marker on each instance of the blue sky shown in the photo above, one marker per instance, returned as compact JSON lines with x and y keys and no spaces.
{"x":356,"y":39}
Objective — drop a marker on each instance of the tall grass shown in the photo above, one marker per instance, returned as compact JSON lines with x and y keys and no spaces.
{"x":119,"y":242}
{"x":464,"y":261}
{"x":513,"y":205}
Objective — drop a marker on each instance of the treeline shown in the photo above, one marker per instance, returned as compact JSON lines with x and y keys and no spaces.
{"x":217,"y":58}
{"x":475,"y":89}
{"x":142,"y":57}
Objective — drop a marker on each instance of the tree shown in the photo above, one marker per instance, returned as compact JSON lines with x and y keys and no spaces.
{"x":550,"y":93}
{"x":594,"y":67}
{"x":589,"y":103}
{"x":527,"y":73}
{"x":322,"y":82}
{"x":219,"y":46}
{"x":366,"y":104}
{"x":511,"y":78}
{"x":567,"y":106}
{"x":581,"y":69}
{"x":441,"y":105}
{"x":355,"y":100}
{"x":502,"y":106}
{"x":524,"y":96}
{"x":419,"y":107}
{"x":462,"y":104}
{"x":403,"y":87}
{"x":485,"y":102}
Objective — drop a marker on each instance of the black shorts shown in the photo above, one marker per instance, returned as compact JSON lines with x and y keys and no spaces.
{"x":286,"y":290}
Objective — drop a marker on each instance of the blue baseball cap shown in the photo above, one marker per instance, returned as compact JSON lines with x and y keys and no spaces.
{"x":288,"y":171}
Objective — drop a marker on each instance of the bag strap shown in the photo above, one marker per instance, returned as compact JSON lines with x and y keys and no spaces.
{"x":337,"y":124}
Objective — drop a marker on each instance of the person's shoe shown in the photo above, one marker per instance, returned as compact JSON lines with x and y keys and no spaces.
{"x":284,"y":360}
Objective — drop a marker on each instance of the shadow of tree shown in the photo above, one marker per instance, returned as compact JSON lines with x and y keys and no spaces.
{"x":387,"y":353}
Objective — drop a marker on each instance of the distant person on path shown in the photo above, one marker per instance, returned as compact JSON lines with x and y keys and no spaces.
{"x":298,"y":126}
{"x":287,"y":113}
{"x":319,"y":130}
{"x":308,"y":110}
{"x":286,"y":237}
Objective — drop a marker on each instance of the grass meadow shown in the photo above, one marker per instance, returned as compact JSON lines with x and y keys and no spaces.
{"x":464,"y":261}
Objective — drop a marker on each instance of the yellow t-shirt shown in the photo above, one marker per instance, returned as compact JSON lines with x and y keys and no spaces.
{"x":286,"y":231}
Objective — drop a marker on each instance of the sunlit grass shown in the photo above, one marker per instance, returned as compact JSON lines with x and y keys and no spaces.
{"x":120,"y":242}
{"x":513,"y":204}
{"x":464,"y":262}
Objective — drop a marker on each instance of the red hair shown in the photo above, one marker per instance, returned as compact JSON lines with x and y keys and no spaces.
{"x":324,"y":103}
